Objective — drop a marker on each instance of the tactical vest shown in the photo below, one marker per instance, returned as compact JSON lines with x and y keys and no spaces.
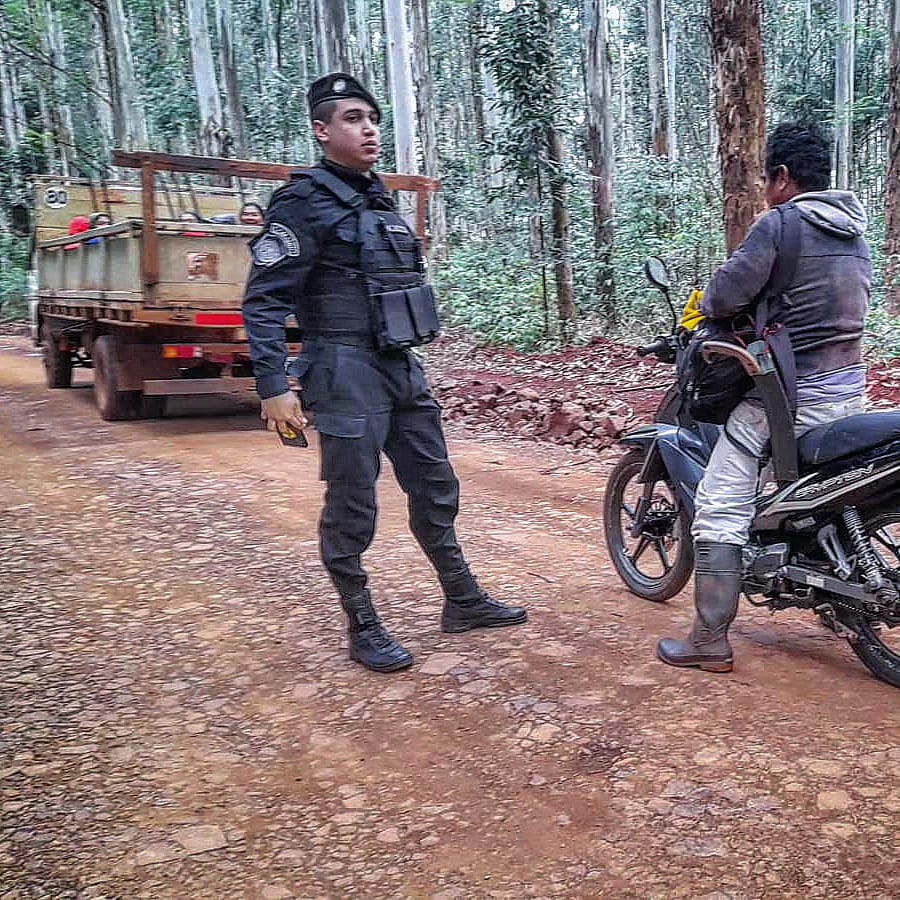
{"x":368,"y":287}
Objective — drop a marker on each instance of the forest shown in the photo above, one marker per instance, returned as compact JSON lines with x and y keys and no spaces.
{"x":572,"y":138}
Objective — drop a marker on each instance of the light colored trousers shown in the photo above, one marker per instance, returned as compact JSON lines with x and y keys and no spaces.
{"x":724,"y":505}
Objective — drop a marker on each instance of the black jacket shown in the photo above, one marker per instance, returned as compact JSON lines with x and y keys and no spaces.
{"x":299,"y":247}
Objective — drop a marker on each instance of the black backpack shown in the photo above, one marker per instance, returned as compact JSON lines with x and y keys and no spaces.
{"x":712,"y":389}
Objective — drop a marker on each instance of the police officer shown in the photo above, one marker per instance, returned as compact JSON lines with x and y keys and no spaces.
{"x":334,"y":253}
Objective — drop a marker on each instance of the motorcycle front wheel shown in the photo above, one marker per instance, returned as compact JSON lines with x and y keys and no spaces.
{"x":656,"y":561}
{"x":875,"y":641}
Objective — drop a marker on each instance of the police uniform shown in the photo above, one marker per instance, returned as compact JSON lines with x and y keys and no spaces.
{"x":334,"y":253}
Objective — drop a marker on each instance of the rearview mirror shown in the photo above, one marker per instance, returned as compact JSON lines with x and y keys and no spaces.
{"x":657,"y":273}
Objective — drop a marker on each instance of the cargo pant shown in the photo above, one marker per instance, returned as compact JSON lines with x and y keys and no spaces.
{"x":362,"y":403}
{"x":725,"y":501}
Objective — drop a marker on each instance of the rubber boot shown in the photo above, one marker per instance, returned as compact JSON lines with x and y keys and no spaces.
{"x":717,"y":587}
{"x":370,"y":643}
{"x":467,"y":606}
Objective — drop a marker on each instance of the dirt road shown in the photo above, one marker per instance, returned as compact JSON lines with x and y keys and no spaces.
{"x":179,"y":719}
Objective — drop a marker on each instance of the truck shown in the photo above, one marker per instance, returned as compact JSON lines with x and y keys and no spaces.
{"x":150,"y":302}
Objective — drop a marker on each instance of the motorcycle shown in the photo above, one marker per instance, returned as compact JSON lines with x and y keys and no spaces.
{"x":826,"y":531}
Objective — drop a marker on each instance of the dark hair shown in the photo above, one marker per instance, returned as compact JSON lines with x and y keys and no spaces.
{"x":804,"y":150}
{"x":251,"y":205}
{"x":322,"y":112}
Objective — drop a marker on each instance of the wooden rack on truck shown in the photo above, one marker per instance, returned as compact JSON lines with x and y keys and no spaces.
{"x":150,"y":302}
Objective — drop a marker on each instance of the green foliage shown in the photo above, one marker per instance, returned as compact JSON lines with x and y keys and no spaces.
{"x":494,"y":279}
{"x":519,"y":48}
{"x":13,"y":277}
{"x":497,"y":294}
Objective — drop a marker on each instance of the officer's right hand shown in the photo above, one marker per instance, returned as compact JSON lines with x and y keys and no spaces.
{"x":283,"y":410}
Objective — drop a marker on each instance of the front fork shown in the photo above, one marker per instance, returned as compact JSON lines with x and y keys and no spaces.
{"x":653,"y":471}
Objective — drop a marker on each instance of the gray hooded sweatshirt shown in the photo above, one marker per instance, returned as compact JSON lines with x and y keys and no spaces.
{"x":828,"y":297}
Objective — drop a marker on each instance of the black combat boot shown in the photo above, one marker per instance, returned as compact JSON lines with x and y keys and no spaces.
{"x":370,"y":644}
{"x":467,"y":606}
{"x":717,"y":586}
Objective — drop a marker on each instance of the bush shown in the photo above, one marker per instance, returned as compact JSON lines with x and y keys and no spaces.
{"x":13,"y":277}
{"x":496,"y":293}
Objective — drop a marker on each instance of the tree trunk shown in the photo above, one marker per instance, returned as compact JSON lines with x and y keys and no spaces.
{"x":364,"y":42}
{"x":305,"y":144}
{"x":337,"y":25}
{"x":625,"y":140}
{"x":131,"y":124}
{"x":64,"y":128}
{"x":561,"y":245}
{"x":333,"y":36}
{"x":561,"y":248}
{"x":843,"y":93}
{"x":102,"y":85}
{"x":598,"y":91}
{"x":657,"y":71}
{"x":13,"y":113}
{"x":230,"y":79}
{"x":38,"y":24}
{"x":892,"y":183}
{"x":166,"y":26}
{"x":213,"y":137}
{"x":671,"y":105}
{"x":475,"y":69}
{"x":492,"y":128}
{"x":402,"y":100}
{"x":740,"y":111}
{"x":269,"y":42}
{"x":424,"y":90}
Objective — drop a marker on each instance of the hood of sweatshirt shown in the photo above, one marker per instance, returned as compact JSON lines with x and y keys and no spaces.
{"x":838,"y":213}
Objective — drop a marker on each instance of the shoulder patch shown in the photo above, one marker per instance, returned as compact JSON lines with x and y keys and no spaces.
{"x":275,"y":244}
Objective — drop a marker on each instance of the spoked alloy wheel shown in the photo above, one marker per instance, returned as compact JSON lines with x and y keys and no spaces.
{"x":657,"y":562}
{"x":876,"y":643}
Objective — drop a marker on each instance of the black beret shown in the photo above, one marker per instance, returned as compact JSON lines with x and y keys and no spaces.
{"x":338,"y":86}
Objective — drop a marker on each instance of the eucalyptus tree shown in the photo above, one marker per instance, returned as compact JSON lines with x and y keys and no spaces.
{"x":659,"y":76}
{"x":424,"y":90}
{"x":403,"y":104}
{"x":843,"y":92}
{"x":523,"y":57}
{"x":364,"y":41}
{"x":11,"y":106}
{"x":270,"y":41}
{"x":212,"y":133}
{"x":332,"y":35}
{"x":601,"y":148}
{"x":228,"y":66}
{"x":740,"y":111}
{"x":892,"y":182}
{"x":129,"y":118}
{"x":101,"y":84}
{"x":61,"y":109}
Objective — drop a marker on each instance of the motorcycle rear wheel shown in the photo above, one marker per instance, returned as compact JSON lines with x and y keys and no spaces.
{"x":657,"y":564}
{"x":875,"y":642}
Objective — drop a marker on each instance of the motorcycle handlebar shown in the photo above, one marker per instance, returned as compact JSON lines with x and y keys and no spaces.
{"x":658,"y":345}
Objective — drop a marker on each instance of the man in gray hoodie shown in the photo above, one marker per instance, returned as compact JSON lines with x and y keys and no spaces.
{"x":824,"y":314}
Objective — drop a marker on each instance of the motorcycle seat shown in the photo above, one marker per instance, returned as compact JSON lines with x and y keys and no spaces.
{"x":844,"y":437}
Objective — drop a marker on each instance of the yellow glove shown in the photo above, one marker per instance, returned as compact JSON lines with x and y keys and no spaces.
{"x":691,"y":317}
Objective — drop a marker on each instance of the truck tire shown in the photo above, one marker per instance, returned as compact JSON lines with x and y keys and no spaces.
{"x":57,"y":363}
{"x":112,"y":403}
